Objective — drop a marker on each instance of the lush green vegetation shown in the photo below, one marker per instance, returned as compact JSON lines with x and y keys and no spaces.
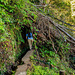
{"x":62,"y":10}
{"x":49,"y":62}
{"x":14,"y":15}
{"x":39,"y":70}
{"x":46,"y":61}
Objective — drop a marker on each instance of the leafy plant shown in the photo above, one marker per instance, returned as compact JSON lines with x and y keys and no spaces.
{"x":13,"y":16}
{"x":39,"y":70}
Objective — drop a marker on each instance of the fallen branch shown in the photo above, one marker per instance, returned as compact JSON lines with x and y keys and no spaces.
{"x":41,"y":5}
{"x":66,"y":33}
{"x":52,"y":41}
{"x":56,"y":25}
{"x":61,"y":34}
{"x":66,"y":28}
{"x":70,"y":41}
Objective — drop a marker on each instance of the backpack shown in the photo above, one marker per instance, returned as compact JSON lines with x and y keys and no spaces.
{"x":29,"y":35}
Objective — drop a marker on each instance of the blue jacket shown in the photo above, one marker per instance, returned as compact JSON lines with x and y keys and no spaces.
{"x":29,"y":37}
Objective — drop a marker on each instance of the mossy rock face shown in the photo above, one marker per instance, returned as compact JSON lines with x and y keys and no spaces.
{"x":14,"y":15}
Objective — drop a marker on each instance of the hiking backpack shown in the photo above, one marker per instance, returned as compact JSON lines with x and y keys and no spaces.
{"x":29,"y":35}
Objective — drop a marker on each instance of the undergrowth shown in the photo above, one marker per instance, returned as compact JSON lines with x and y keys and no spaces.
{"x":47,"y":62}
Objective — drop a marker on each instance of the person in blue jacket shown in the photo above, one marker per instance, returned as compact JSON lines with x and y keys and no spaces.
{"x":29,"y":36}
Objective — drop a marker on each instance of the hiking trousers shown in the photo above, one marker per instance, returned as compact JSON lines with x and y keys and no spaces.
{"x":30,"y":41}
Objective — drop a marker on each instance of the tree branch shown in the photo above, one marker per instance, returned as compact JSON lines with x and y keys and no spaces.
{"x":57,"y":25}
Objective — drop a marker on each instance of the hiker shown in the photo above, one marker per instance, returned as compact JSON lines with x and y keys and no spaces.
{"x":30,"y":39}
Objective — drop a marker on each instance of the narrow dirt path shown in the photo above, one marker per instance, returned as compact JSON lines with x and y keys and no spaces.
{"x":21,"y":70}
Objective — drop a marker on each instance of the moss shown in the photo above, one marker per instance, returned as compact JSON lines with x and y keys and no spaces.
{"x":13,"y":16}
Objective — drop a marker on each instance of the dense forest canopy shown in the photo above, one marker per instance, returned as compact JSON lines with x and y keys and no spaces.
{"x":16,"y":15}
